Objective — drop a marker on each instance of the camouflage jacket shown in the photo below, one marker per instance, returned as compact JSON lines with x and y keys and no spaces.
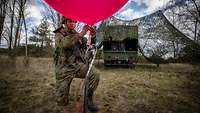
{"x":68,"y":49}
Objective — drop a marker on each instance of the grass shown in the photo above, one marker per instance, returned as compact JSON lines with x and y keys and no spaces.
{"x":171,"y":88}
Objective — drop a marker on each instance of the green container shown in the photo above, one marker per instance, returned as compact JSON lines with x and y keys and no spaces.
{"x":120,"y":44}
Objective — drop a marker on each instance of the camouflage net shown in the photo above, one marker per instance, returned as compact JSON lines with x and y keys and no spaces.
{"x":159,"y":40}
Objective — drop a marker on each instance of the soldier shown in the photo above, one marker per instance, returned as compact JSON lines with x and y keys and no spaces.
{"x":70,"y":63}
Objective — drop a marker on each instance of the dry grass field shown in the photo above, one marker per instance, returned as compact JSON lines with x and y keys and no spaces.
{"x":170,"y":88}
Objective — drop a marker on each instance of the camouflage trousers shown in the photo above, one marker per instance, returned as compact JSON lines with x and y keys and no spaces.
{"x":64,"y":77}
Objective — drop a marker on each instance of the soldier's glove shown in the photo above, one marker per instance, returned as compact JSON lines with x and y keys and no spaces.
{"x":92,"y":29}
{"x":84,"y":31}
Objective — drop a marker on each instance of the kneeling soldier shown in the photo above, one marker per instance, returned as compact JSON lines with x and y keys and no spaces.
{"x":70,"y":63}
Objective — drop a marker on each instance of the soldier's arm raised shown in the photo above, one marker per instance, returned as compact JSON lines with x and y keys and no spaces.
{"x":72,"y":39}
{"x":78,"y":36}
{"x":84,"y":31}
{"x":58,"y":39}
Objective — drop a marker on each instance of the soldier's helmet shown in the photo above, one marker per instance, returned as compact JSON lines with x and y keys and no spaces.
{"x":63,"y":23}
{"x":65,"y":19}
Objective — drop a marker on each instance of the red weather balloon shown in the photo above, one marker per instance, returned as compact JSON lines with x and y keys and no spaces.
{"x":87,"y":11}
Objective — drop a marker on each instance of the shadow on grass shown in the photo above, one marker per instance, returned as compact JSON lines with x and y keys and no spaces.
{"x":100,"y":64}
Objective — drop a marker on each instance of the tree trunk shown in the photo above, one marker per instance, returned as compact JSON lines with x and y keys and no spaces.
{"x":11,"y":25}
{"x":3,"y":5}
{"x":195,"y":30}
{"x":22,"y":4}
{"x":42,"y":44}
{"x":26,"y":48}
{"x":1,"y":27}
{"x":59,"y":19}
{"x":19,"y":37}
{"x":17,"y":30}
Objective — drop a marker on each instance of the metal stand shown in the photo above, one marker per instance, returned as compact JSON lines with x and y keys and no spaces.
{"x":94,"y":51}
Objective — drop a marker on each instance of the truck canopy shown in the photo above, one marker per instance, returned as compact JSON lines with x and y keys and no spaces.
{"x":119,"y":32}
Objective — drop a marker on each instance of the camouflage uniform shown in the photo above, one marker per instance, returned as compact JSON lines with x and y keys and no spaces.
{"x":68,"y":59}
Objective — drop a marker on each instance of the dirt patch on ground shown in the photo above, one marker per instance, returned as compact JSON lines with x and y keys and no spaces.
{"x":171,"y":88}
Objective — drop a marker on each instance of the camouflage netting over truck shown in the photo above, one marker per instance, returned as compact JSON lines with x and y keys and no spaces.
{"x":120,"y":44}
{"x":159,"y":41}
{"x":120,"y":32}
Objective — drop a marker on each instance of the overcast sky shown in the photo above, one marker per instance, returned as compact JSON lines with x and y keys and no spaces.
{"x":133,"y":9}
{"x":139,"y":8}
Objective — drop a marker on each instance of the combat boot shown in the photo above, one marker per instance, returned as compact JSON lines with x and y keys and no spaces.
{"x":92,"y":107}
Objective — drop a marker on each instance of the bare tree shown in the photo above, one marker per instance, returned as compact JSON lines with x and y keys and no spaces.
{"x":51,"y":15}
{"x":21,"y":8}
{"x":3,"y":7}
{"x":12,"y":10}
{"x":186,"y":13}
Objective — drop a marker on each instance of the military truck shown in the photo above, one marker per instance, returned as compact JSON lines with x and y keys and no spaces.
{"x":120,"y":45}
